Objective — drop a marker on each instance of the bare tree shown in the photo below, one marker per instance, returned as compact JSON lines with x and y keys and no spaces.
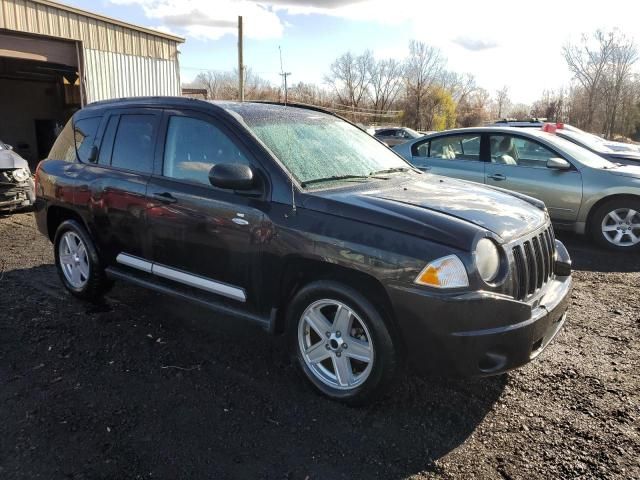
{"x":423,"y":68}
{"x":349,"y":78}
{"x":502,"y":101}
{"x":624,"y":55}
{"x":588,"y":63}
{"x":385,"y":78}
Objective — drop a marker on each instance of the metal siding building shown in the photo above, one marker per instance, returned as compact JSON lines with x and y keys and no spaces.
{"x":55,"y":59}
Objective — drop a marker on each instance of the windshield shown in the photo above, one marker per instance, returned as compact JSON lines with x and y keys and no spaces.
{"x":315,"y":146}
{"x":581,"y":154}
{"x":413,"y":133}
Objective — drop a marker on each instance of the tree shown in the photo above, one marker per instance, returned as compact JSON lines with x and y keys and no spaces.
{"x":624,"y":55}
{"x":385,"y":79}
{"x":588,"y":62}
{"x":473,"y":110}
{"x":502,"y":101}
{"x":423,"y":68}
{"x":349,"y":78}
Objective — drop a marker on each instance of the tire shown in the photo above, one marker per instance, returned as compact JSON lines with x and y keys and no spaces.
{"x":616,"y":224}
{"x":80,"y":270}
{"x":331,"y":366}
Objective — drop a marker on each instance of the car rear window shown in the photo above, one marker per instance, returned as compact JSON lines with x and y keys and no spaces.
{"x":84,"y":134}
{"x":64,"y":147}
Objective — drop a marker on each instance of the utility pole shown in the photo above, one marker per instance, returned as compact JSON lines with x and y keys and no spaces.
{"x":240,"y":61}
{"x":284,"y":75}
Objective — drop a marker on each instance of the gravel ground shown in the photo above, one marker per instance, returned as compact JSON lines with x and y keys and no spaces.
{"x":147,"y":387}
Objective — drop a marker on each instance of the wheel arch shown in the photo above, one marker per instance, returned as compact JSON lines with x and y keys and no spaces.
{"x":602,"y":201}
{"x":56,"y":215}
{"x":300,"y":271}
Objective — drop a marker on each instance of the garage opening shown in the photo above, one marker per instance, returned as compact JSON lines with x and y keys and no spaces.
{"x":39,"y":91}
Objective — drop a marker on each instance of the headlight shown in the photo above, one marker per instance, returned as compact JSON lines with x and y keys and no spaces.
{"x":20,"y":174}
{"x":487,"y":259}
{"x":446,"y":272}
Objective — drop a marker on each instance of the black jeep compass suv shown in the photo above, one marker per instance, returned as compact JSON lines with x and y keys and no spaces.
{"x":297,"y":220}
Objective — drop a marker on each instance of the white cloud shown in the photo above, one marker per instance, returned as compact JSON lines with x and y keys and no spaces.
{"x":501,"y":43}
{"x":212,"y":19}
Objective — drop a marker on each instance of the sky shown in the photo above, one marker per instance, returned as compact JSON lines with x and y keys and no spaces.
{"x":502,"y":43}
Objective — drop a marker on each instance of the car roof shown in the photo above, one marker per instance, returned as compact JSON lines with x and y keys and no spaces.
{"x":492,"y":129}
{"x":185,"y":102}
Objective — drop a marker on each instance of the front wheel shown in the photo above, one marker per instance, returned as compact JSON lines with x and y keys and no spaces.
{"x":341,"y":342}
{"x":616,"y":224}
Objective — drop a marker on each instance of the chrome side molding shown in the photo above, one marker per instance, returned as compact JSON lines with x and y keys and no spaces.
{"x":196,"y":281}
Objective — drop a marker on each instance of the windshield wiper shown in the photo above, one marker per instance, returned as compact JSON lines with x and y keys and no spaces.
{"x":390,"y":170}
{"x":332,"y":178}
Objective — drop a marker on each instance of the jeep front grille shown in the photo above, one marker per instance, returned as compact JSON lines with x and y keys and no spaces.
{"x":533,"y":263}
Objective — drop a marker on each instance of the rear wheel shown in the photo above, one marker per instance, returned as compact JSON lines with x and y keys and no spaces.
{"x":78,"y":263}
{"x":341,"y":342}
{"x":616,"y":224}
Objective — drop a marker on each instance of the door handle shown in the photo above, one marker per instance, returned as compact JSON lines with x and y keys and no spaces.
{"x":498,"y":177}
{"x":165,"y":197}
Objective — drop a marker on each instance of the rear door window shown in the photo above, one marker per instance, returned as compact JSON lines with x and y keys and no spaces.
{"x":133,"y":144}
{"x":452,"y":147}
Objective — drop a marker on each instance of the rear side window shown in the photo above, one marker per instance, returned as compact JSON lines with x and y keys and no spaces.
{"x":133,"y":144}
{"x":64,"y":147}
{"x":84,"y":134}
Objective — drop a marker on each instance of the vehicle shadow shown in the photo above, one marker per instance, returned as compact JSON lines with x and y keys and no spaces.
{"x":585,"y":255}
{"x":153,"y":386}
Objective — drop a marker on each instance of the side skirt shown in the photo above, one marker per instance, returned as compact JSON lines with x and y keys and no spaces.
{"x":219,"y":307}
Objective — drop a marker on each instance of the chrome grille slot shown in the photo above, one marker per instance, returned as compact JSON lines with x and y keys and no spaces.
{"x":532,"y":263}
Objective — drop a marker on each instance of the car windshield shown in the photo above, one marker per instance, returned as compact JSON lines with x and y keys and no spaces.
{"x":317,"y":147}
{"x":590,"y":141}
{"x":581,"y":154}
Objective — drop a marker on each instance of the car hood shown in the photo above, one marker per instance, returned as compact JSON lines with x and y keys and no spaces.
{"x":625,"y":155}
{"x":632,"y":171}
{"x":11,"y":160}
{"x":426,"y":201}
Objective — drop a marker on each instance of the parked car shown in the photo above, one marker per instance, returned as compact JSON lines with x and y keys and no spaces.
{"x":296,"y":220}
{"x":584,"y":192}
{"x":396,"y":135}
{"x":628,"y":153}
{"x":609,"y":150}
{"x":16,"y":183}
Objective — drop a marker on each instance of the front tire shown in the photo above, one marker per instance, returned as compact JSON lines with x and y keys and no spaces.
{"x":78,"y":263}
{"x":616,"y":224}
{"x":341,"y":342}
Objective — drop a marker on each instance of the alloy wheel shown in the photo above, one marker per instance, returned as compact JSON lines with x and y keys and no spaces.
{"x":74,"y":260}
{"x":621,"y":227}
{"x":335,"y":344}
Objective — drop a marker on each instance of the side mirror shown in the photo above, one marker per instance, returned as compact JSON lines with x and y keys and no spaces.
{"x":231,"y":176}
{"x":558,"y":164}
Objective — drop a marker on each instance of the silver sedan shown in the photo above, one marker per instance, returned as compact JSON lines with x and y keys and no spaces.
{"x":583,"y":192}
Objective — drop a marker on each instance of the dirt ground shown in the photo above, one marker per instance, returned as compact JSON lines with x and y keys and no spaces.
{"x":148,"y":387}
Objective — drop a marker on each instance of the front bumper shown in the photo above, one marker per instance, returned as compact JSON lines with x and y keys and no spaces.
{"x":478,"y":333}
{"x":17,"y":195}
